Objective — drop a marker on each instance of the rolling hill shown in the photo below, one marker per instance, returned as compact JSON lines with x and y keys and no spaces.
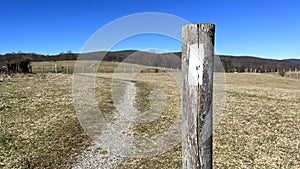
{"x":230,"y":63}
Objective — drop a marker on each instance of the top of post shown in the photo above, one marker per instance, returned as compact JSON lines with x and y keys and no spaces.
{"x":207,"y":25}
{"x":198,"y":33}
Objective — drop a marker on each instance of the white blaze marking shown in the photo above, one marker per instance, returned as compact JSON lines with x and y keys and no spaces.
{"x":196,"y":64}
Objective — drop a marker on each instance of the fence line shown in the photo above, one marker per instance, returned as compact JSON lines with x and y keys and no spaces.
{"x":52,"y":69}
{"x":67,"y":69}
{"x":292,"y":73}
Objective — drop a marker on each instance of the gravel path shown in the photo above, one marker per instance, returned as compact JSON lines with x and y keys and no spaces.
{"x":107,"y":152}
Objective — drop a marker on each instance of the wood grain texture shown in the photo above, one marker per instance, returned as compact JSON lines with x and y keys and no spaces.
{"x":197,"y":100}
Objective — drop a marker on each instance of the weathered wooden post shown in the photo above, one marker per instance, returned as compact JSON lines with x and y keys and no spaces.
{"x":197,"y":95}
{"x":55,"y":68}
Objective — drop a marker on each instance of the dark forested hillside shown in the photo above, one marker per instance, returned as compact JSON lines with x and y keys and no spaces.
{"x":230,"y":63}
{"x":240,"y":63}
{"x":18,"y":57}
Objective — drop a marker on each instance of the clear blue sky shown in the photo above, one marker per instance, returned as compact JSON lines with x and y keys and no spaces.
{"x":264,"y":28}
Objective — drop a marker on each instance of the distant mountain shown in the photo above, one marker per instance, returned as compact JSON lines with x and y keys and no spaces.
{"x":230,"y":63}
{"x":240,"y":63}
{"x":293,"y":61}
{"x":136,"y":57}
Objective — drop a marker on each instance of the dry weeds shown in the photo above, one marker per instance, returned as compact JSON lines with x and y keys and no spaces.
{"x":39,"y":127}
{"x":261,"y":123}
{"x":259,"y":128}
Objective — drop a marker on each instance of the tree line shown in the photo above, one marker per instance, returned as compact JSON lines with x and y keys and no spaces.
{"x":230,"y":63}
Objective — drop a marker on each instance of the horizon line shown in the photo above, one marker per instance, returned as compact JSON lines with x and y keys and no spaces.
{"x":216,"y":54}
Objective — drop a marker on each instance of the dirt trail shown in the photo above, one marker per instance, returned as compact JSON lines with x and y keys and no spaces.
{"x":107,"y":151}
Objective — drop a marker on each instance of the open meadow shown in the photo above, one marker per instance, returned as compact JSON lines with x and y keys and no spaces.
{"x":259,"y":127}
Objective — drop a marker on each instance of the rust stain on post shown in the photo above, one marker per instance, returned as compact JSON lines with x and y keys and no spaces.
{"x":197,"y":60}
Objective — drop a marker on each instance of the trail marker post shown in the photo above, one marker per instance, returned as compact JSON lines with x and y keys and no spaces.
{"x":55,"y":68}
{"x":197,"y":95}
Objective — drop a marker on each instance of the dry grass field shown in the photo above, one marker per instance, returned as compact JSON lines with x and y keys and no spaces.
{"x":69,"y":66}
{"x":293,"y":74}
{"x":39,"y":128}
{"x":261,"y":123}
{"x":259,"y":128}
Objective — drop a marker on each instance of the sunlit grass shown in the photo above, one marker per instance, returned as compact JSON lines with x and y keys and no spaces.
{"x":259,"y":128}
{"x":39,"y":127}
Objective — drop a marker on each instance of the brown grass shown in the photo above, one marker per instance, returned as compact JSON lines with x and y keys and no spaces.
{"x":39,"y":127}
{"x":259,"y":128}
{"x":260,"y":125}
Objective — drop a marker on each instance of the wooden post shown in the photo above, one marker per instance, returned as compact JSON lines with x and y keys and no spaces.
{"x":297,"y":75}
{"x":197,"y":68}
{"x":43,"y":69}
{"x":67,"y":69}
{"x":55,"y":68}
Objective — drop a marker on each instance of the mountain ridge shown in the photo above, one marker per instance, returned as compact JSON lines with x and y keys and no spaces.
{"x":172,"y":59}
